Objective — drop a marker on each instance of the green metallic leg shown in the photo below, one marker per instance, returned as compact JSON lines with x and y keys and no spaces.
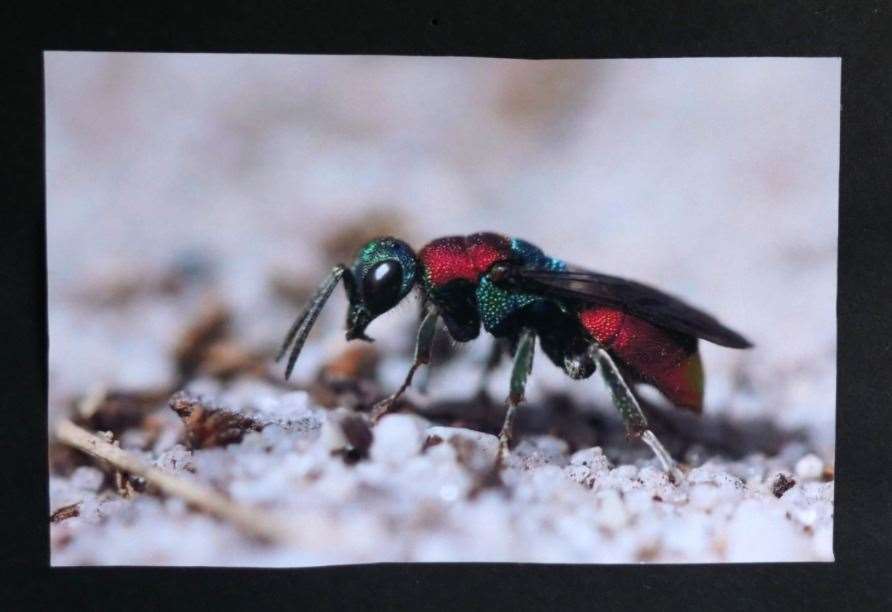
{"x":633,"y":417}
{"x":423,"y":344}
{"x":523,"y":365}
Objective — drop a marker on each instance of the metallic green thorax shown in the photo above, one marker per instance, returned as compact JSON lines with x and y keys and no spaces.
{"x":495,"y":304}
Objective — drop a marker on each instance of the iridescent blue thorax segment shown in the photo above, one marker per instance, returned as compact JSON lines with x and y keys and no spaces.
{"x":531,"y":255}
{"x":498,"y":306}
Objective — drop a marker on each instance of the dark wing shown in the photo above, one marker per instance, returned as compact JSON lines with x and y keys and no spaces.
{"x":635,"y":298}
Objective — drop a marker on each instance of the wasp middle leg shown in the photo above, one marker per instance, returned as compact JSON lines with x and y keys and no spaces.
{"x":520,"y":372}
{"x":423,"y":343}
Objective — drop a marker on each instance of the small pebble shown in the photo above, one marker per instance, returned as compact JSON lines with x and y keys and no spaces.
{"x":810,"y":467}
{"x":755,"y":533}
{"x":581,"y":474}
{"x":626,"y":471}
{"x":397,"y":437}
{"x":704,"y":496}
{"x":612,"y":513}
{"x":592,"y":458}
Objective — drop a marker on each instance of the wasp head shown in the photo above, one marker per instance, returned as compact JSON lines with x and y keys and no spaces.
{"x":382,"y":274}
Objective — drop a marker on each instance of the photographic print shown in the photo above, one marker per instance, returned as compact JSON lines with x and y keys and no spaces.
{"x":323,"y":310}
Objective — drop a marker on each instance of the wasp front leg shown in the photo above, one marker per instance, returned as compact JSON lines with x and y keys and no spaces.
{"x":423,"y":344}
{"x":633,"y":417}
{"x":520,"y":372}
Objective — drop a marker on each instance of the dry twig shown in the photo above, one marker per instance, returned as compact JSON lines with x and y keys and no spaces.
{"x":251,"y":520}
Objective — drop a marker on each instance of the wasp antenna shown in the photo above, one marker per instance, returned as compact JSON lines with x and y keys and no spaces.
{"x":291,"y":333}
{"x":301,"y":327}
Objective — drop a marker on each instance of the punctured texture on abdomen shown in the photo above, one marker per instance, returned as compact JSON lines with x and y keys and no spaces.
{"x":656,"y":355}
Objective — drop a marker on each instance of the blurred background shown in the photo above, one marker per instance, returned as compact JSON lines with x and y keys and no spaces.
{"x":714,"y":179}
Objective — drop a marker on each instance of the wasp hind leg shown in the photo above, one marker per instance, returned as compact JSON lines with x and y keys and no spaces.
{"x":633,"y":417}
{"x":423,"y":343}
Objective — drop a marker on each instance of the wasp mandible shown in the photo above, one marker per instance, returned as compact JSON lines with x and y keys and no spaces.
{"x":583,"y":320}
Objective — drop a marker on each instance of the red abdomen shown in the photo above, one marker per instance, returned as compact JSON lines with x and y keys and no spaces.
{"x":664,"y":359}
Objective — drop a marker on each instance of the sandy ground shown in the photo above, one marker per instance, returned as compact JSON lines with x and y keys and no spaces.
{"x":184,"y":188}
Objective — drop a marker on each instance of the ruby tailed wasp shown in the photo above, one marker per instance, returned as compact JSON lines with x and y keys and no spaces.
{"x":584,"y":321}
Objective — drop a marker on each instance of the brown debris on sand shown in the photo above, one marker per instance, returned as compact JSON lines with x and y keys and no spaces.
{"x":207,"y":426}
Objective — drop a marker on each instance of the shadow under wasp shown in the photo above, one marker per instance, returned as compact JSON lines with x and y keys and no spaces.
{"x":583,"y":320}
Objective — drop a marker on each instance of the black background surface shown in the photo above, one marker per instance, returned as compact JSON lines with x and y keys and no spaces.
{"x":859,"y":32}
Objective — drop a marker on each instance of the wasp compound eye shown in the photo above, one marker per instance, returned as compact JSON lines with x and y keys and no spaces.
{"x":381,"y":286}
